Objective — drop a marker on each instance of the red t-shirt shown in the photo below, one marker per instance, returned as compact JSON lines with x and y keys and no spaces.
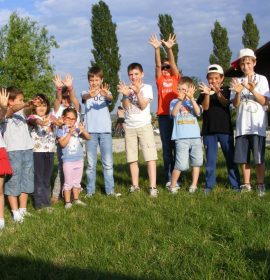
{"x":167,"y":91}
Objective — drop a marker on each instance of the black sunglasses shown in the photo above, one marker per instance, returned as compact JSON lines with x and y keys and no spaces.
{"x":167,"y":66}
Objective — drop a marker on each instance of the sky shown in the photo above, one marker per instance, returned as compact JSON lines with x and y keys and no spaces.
{"x":69,"y":22}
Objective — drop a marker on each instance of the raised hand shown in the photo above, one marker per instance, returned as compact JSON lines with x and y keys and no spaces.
{"x":123,"y":88}
{"x":136,"y":88}
{"x":170,"y":42}
{"x":81,"y":127}
{"x":250,"y":84}
{"x":68,"y":81}
{"x":191,"y":91}
{"x":4,"y":95}
{"x":153,"y":40}
{"x":58,"y":81}
{"x":204,"y":88}
{"x":236,"y":86}
{"x":104,"y":89}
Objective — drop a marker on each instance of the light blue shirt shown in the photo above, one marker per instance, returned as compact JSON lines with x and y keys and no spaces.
{"x":185,"y":123}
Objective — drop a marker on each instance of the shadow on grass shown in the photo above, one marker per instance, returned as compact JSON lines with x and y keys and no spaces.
{"x":23,"y":268}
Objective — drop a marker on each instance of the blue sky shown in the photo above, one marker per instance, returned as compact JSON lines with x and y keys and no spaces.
{"x":69,"y":22}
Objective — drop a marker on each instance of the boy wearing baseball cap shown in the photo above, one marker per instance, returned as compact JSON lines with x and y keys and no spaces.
{"x":249,"y":96}
{"x":217,"y":127}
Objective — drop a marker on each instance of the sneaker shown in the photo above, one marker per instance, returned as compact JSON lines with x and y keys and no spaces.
{"x":114,"y":194}
{"x":153,"y":192}
{"x":68,"y":205}
{"x":89,"y":195}
{"x":2,"y":223}
{"x":24,"y":212}
{"x":17,"y":217}
{"x":168,"y":184}
{"x":192,"y":189}
{"x":261,"y":190}
{"x":133,"y":189}
{"x":79,"y":202}
{"x":245,"y":188}
{"x":173,"y":190}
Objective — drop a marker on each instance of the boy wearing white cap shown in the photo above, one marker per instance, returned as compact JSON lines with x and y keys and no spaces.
{"x":249,"y":96}
{"x":217,"y":127}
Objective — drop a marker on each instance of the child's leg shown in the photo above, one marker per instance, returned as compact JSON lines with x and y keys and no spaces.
{"x":175,"y":176}
{"x":246,"y":173}
{"x":23,"y":200}
{"x":2,"y":201}
{"x":152,"y":173}
{"x":134,"y":172}
{"x":67,"y":194}
{"x":13,"y":202}
{"x":76,"y":192}
{"x":195,"y":175}
{"x":260,"y":173}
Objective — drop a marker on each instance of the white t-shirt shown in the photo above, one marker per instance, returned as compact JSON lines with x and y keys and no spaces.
{"x":2,"y":143}
{"x":134,"y":116}
{"x":251,"y":116}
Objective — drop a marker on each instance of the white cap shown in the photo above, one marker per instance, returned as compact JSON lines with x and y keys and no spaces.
{"x":246,"y":52}
{"x":215,"y":68}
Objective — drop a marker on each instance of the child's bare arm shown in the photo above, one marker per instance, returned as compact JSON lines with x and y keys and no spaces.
{"x":68,"y":82}
{"x":83,"y":132}
{"x":190,"y":94}
{"x":4,"y":95}
{"x":156,"y":44}
{"x":58,"y":99}
{"x":236,"y":86}
{"x":63,"y":141}
{"x":105,"y":91}
{"x":169,"y":44}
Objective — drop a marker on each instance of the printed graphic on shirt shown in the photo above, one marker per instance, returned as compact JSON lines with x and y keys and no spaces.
{"x":185,"y":116}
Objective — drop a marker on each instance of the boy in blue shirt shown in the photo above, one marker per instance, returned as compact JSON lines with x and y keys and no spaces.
{"x":186,"y":133}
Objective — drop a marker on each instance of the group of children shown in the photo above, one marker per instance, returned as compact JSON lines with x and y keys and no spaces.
{"x":30,"y":130}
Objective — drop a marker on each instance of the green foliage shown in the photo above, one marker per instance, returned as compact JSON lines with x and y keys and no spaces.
{"x":251,"y":37}
{"x":221,"y":52}
{"x":165,"y":24}
{"x":24,"y":56}
{"x":106,"y":48}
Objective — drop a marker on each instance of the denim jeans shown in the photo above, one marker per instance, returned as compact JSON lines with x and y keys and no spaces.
{"x":104,"y":140}
{"x":168,"y":146}
{"x":211,"y":148}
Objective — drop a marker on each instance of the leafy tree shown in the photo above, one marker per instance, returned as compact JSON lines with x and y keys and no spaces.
{"x":165,"y":24}
{"x":251,"y":37}
{"x":106,"y":48}
{"x":221,"y":52}
{"x":24,"y":56}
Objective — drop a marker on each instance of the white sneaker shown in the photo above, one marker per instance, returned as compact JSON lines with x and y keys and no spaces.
{"x":261,"y":190}
{"x":68,"y":205}
{"x":24,"y":212}
{"x":168,"y":185}
{"x":133,"y":189}
{"x":114,"y":194}
{"x":2,"y":223}
{"x":192,"y":189}
{"x":79,"y":202}
{"x":173,"y":190}
{"x":153,"y":192}
{"x":245,"y":188}
{"x":17,"y":217}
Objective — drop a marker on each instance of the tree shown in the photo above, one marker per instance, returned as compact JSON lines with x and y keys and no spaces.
{"x":221,"y":52}
{"x":24,"y":56}
{"x":165,"y":24}
{"x":106,"y":48}
{"x":251,"y":37}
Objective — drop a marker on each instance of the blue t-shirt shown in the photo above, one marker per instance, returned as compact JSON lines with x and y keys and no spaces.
{"x":97,"y":115}
{"x":185,"y":123}
{"x":73,"y":151}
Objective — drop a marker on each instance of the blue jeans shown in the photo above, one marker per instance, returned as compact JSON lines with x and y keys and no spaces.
{"x":168,"y":146}
{"x":104,"y":140}
{"x":211,"y":148}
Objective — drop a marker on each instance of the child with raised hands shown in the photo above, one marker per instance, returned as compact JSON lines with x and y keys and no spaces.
{"x":69,"y":137}
{"x":99,"y":125}
{"x":217,"y":127}
{"x":186,"y":133}
{"x":5,"y":167}
{"x":249,"y":95}
{"x":42,"y":132}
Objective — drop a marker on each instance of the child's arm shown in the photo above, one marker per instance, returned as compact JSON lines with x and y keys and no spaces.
{"x":90,"y":94}
{"x":86,"y":135}
{"x":63,"y":141}
{"x":68,"y":82}
{"x":125,"y":90}
{"x":177,"y":107}
{"x":169,"y":44}
{"x":58,"y":99}
{"x":105,"y":91}
{"x":4,"y":95}
{"x":142,"y":101}
{"x":205,"y":90}
{"x":236,"y":86}
{"x":156,"y":44}
{"x":190,"y":94}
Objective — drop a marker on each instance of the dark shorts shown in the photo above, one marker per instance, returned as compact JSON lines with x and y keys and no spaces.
{"x":245,"y":144}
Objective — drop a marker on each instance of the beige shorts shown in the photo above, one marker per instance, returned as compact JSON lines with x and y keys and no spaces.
{"x":143,"y":136}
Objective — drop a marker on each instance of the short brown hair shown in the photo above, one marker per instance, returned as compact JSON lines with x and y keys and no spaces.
{"x":135,"y":65}
{"x":186,"y":80}
{"x":94,"y":71}
{"x":14,"y":92}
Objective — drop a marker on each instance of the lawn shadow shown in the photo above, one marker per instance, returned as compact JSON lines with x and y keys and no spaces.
{"x":22,"y":268}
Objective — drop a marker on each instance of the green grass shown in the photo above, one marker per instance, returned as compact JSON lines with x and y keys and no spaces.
{"x":222,"y":236}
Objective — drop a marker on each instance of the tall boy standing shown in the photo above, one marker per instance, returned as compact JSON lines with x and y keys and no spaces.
{"x":249,"y":95}
{"x":136,"y":101}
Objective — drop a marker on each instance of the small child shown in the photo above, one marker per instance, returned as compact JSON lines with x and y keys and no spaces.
{"x":139,"y":131}
{"x":72,"y":155}
{"x":186,"y":133}
{"x":5,"y":167}
{"x":249,"y":96}
{"x":44,"y":145}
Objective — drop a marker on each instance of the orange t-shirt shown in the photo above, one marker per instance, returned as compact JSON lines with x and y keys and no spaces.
{"x":167,"y":91}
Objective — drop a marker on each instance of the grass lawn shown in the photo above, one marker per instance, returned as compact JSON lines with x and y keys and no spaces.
{"x":225,"y":235}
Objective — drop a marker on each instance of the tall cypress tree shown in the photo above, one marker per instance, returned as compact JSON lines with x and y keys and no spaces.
{"x":221,"y":52}
{"x":251,"y":36}
{"x":165,"y":24}
{"x":106,"y":48}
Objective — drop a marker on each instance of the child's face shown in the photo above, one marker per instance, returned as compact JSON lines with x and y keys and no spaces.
{"x":41,"y":110}
{"x":70,"y":119}
{"x":95,"y":82}
{"x":182,"y":89}
{"x":66,"y":102}
{"x":215,"y":79}
{"x":17,"y":101}
{"x":247,"y":65}
{"x":166,"y":69}
{"x":135,"y":76}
